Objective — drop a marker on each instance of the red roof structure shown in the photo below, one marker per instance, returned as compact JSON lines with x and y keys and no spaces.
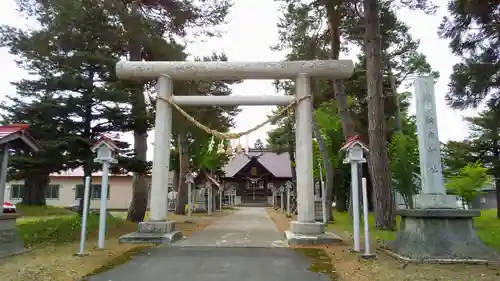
{"x":353,"y":140}
{"x":107,"y":141}
{"x":18,"y":132}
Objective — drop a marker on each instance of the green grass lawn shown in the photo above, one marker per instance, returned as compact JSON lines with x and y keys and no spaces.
{"x":24,"y":220}
{"x":55,"y":225}
{"x":65,"y":229}
{"x":487,"y":226}
{"x":42,"y":211}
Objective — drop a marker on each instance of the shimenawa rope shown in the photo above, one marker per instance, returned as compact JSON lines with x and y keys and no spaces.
{"x":229,"y":135}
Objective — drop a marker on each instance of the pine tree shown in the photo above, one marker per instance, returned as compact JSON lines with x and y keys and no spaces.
{"x":165,"y":19}
{"x":485,"y":140}
{"x":473,"y":28}
{"x":303,"y":32}
{"x":190,"y":138}
{"x":258,"y":144}
{"x":71,"y":55}
{"x":43,"y":115}
{"x":474,"y":33}
{"x":282,"y":139}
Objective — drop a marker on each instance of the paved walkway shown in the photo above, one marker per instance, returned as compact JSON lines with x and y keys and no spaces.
{"x":244,"y":246}
{"x":247,"y":227}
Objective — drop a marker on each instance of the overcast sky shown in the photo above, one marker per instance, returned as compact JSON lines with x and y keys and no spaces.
{"x":251,"y":29}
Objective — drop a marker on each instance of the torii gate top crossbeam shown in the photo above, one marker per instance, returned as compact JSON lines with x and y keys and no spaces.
{"x":222,"y":70}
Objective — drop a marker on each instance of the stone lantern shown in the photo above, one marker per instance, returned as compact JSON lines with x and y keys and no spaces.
{"x":190,"y":181}
{"x":355,"y":149}
{"x":106,"y":150}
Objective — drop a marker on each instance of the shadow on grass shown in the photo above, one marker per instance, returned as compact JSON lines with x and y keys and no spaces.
{"x":321,"y":263}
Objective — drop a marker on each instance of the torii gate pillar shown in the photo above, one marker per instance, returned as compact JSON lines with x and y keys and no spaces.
{"x":303,"y":231}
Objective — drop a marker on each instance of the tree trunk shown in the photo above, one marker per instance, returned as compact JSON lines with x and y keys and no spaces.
{"x":176,"y":180}
{"x":334,"y":14}
{"x":34,"y":189}
{"x":346,"y":121}
{"x":378,"y":159}
{"x":341,"y":193}
{"x":139,"y":114}
{"x":182,"y":196}
{"x":397,"y":103}
{"x":88,"y":165}
{"x":140,"y":187}
{"x":497,"y":185}
{"x":329,"y":172}
{"x":334,"y":17}
{"x":140,"y":196}
{"x":87,"y":172}
{"x":395,"y":95}
{"x":291,"y":153}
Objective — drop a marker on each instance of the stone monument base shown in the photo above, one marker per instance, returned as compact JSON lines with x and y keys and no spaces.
{"x":434,"y":201}
{"x":10,"y":242}
{"x":312,"y":233}
{"x":440,"y":236}
{"x":153,"y":232}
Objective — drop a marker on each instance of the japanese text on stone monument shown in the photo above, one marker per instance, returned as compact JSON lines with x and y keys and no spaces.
{"x":428,"y":137}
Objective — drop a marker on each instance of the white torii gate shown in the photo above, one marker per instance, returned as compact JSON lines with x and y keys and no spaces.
{"x":167,"y":71}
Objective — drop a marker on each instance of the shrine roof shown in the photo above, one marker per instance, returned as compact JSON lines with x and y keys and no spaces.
{"x":15,"y":132}
{"x":276,"y":163}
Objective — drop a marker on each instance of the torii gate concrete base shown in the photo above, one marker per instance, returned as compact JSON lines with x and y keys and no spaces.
{"x":303,"y":231}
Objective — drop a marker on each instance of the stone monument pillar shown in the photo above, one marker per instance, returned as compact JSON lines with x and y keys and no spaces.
{"x":435,"y":230}
{"x":433,"y":194}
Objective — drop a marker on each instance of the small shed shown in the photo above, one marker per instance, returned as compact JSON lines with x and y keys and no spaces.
{"x":17,"y":136}
{"x":14,"y":136}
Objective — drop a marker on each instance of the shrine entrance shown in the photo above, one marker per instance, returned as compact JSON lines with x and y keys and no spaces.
{"x":168,"y":71}
{"x":254,"y":180}
{"x":256,"y":184}
{"x":255,"y":191}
